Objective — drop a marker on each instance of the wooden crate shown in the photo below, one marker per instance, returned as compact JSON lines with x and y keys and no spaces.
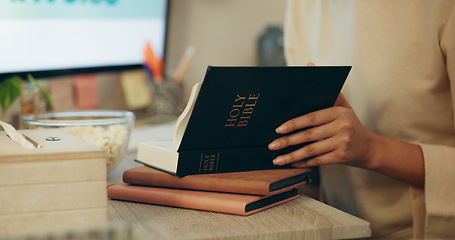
{"x":62,"y":184}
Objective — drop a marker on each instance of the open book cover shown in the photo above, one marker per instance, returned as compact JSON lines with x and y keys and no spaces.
{"x":261,"y":182}
{"x":238,"y":204}
{"x":232,"y":115}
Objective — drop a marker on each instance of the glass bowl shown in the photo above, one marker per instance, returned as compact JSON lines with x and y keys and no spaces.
{"x":108,"y":129}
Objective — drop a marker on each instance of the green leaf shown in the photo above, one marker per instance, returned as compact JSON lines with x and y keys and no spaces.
{"x":10,"y":89}
{"x":45,"y":93}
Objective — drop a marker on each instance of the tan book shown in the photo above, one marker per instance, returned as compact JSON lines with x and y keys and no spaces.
{"x":231,"y":203}
{"x":262,"y":182}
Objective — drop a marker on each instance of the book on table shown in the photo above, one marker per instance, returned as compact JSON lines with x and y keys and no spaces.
{"x":240,"y":193}
{"x":261,"y":182}
{"x":232,"y":203}
{"x":232,"y":115}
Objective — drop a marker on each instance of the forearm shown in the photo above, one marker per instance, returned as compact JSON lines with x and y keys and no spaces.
{"x":400,"y":160}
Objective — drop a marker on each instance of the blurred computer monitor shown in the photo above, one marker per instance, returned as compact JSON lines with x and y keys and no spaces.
{"x":63,"y":37}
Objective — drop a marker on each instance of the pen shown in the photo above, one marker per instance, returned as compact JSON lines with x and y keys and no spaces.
{"x":183,"y":64}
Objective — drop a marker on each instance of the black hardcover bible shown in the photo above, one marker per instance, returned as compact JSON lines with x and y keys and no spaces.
{"x":231,"y":117}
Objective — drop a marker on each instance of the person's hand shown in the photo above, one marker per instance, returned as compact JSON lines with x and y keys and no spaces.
{"x":335,"y":135}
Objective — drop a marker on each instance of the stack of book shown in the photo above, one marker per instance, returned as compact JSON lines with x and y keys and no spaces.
{"x":219,"y":159}
{"x":239,"y":193}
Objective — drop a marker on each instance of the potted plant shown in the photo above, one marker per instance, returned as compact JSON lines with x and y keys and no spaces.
{"x":31,"y":93}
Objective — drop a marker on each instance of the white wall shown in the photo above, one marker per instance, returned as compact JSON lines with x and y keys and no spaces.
{"x":224,"y":32}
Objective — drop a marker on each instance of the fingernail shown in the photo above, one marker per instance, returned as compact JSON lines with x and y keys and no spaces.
{"x":281,"y":129}
{"x":274,"y":145}
{"x":279,"y":160}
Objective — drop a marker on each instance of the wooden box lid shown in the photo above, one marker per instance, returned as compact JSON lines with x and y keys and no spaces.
{"x":68,"y":147}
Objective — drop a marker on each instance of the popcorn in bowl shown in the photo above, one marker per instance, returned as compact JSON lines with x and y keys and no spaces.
{"x":112,"y":139}
{"x":109,"y":130}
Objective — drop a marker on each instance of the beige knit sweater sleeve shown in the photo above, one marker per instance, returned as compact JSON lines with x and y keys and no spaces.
{"x":439,"y":193}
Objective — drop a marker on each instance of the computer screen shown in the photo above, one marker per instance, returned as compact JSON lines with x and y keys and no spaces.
{"x":58,"y":37}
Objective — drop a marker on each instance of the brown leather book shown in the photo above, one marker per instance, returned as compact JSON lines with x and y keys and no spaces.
{"x":238,"y":204}
{"x":262,"y":182}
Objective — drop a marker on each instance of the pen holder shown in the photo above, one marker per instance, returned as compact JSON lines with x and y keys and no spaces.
{"x":166,"y":101}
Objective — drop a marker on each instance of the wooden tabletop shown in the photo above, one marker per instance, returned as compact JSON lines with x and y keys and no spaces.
{"x":297,"y":219}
